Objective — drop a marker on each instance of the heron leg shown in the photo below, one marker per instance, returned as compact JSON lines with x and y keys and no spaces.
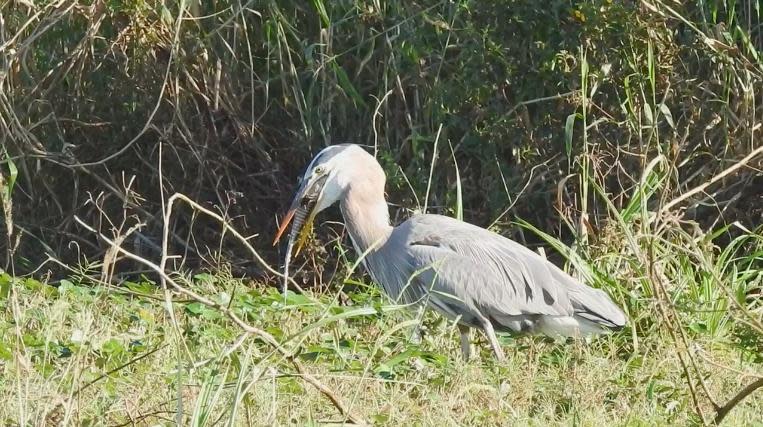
{"x":416,"y":333}
{"x":466,"y":344}
{"x":490,"y":332}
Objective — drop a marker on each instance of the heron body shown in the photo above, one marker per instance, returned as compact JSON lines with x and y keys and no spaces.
{"x":469,"y":274}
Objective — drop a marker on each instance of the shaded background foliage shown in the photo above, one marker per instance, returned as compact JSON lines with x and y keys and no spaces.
{"x":236,"y":97}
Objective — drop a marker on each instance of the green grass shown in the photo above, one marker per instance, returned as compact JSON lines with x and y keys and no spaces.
{"x":73,"y":336}
{"x":573,"y":122}
{"x":85,"y":353}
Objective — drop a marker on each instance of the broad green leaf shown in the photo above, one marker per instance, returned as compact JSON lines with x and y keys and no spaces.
{"x":113,"y":347}
{"x":142,"y":287}
{"x":568,"y":129}
{"x":347,"y":86}
{"x":651,"y":181}
{"x":667,"y":114}
{"x":5,"y":351}
{"x":5,"y":285}
{"x":195,"y":308}
{"x":13,"y":173}
{"x":648,"y":115}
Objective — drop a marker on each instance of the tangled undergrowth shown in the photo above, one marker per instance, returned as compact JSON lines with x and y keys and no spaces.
{"x":622,"y":135}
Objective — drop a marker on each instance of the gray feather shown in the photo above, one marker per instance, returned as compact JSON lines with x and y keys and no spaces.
{"x":464,"y":270}
{"x":467,"y":273}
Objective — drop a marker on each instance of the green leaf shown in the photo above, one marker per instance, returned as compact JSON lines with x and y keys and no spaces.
{"x":667,"y":114}
{"x":5,"y":351}
{"x":297,"y":299}
{"x":195,"y":308}
{"x":355,"y":312}
{"x":568,"y":128}
{"x":648,"y":115}
{"x":13,"y":173}
{"x":276,"y":332}
{"x":699,"y":327}
{"x":65,"y":285}
{"x":321,"y":8}
{"x":651,"y":181}
{"x":32,"y":340}
{"x":210,"y":314}
{"x":347,"y":86}
{"x":142,"y":287}
{"x":32,"y":283}
{"x":204,"y":277}
{"x":5,"y":285}
{"x":402,"y":357}
{"x":113,"y":347}
{"x":166,"y":15}
{"x":459,"y":194}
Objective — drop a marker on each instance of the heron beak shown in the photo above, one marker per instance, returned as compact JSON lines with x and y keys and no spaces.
{"x":302,"y":211}
{"x":284,"y":223}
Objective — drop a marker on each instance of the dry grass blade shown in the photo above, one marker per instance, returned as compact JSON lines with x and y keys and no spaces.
{"x":268,"y":338}
{"x":227,"y":228}
{"x":215,"y":107}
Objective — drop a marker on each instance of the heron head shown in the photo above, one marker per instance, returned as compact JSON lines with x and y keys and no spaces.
{"x":325,"y":180}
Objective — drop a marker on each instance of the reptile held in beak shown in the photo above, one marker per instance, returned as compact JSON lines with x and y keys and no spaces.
{"x":302,"y":212}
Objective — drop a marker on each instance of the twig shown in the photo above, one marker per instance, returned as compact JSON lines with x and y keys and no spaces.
{"x":725,"y":409}
{"x":536,"y":100}
{"x":118,"y":368}
{"x":431,"y":168}
{"x":265,"y":336}
{"x":106,"y":374}
{"x":227,"y":228}
{"x":373,"y":120}
{"x":673,"y":326}
{"x":699,"y":351}
{"x":225,"y":353}
{"x":713,"y":180}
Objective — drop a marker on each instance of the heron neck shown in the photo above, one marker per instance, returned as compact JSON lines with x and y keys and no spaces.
{"x":366,"y":217}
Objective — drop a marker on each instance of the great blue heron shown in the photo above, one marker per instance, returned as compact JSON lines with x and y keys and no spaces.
{"x":472,"y":275}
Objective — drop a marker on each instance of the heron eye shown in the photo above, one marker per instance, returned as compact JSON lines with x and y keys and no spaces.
{"x":318,"y":170}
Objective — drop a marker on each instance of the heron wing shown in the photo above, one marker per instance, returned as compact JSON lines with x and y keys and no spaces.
{"x":468,"y":267}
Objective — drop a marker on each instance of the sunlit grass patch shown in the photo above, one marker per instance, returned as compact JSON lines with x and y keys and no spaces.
{"x":89,"y":353}
{"x":623,"y":135}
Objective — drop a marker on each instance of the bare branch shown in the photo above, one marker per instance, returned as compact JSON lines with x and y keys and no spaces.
{"x":713,"y":180}
{"x":725,"y":409}
{"x":268,"y":338}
